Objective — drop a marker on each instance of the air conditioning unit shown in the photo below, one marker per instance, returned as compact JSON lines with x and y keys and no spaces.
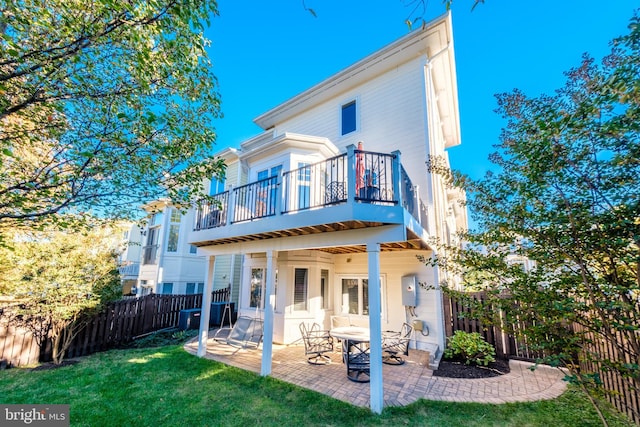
{"x":189,"y":319}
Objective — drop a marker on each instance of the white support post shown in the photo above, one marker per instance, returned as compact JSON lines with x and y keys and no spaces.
{"x":375,"y":328}
{"x":351,"y":172}
{"x":205,"y":312}
{"x":398,"y":186}
{"x":269,"y":303}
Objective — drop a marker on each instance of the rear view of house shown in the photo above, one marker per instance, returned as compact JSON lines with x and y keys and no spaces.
{"x":337,"y":202}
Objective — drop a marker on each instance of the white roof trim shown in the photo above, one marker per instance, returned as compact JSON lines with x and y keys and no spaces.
{"x":435,"y":37}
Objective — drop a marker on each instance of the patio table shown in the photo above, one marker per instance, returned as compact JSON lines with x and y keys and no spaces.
{"x":350,"y":334}
{"x":353,"y":333}
{"x":355,"y":351}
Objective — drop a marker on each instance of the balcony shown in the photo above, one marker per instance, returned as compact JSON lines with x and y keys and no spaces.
{"x":357,"y":189}
{"x":129,"y":269}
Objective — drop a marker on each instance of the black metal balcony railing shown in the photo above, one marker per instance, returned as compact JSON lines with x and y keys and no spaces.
{"x":374,"y":177}
{"x":129,"y":269}
{"x":319,"y":184}
{"x":213,"y":214}
{"x":255,"y":200}
{"x":363,"y":176}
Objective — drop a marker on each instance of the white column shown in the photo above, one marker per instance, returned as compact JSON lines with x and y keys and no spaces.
{"x":375,"y":328}
{"x":269,"y":303}
{"x":205,"y":312}
{"x":351,"y":173}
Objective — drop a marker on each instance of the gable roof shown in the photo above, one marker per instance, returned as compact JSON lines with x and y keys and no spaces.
{"x":433,"y":42}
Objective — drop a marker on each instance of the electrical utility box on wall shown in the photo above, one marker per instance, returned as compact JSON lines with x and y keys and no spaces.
{"x":409,"y":284}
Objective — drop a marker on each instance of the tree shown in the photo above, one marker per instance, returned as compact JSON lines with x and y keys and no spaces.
{"x":104,"y":105}
{"x":566,"y":195}
{"x":59,"y":279}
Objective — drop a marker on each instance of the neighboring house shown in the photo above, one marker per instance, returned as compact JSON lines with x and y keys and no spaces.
{"x":169,"y":264}
{"x":129,"y":258}
{"x":325,"y":228}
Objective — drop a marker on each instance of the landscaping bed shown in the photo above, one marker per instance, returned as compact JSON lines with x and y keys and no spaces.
{"x":458,"y":369}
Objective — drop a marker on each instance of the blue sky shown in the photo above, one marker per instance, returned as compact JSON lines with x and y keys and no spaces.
{"x":266,"y":52}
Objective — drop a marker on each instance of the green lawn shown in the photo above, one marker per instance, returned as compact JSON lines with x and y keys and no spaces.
{"x":166,"y":386}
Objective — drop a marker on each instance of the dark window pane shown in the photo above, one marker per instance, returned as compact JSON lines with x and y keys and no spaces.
{"x":300,"y":289}
{"x":349,"y":117}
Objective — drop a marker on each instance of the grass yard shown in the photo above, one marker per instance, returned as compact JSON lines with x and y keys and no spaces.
{"x":166,"y":386}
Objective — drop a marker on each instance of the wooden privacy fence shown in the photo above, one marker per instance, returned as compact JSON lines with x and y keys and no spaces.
{"x":18,"y":346}
{"x":119,"y":323}
{"x":622,"y":391}
{"x":458,"y":317}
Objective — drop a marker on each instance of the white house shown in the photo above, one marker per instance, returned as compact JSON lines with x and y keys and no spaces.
{"x":326,"y":226}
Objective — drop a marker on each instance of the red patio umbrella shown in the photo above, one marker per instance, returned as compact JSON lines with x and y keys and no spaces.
{"x":359,"y":169}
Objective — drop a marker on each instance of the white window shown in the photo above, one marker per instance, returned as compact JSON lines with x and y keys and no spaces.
{"x":268,"y":189}
{"x":155,"y":219}
{"x":195,"y":288}
{"x":216,"y":186}
{"x":355,"y":295}
{"x":150,"y":250}
{"x":300,"y":288}
{"x":324,"y":289}
{"x":304,"y":185}
{"x":174,"y":230}
{"x":256,"y":299}
{"x":269,"y":173}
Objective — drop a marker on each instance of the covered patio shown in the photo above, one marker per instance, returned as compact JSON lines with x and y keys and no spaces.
{"x":403,"y":384}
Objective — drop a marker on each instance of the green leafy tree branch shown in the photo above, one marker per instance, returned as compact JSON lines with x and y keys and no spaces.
{"x":103,"y":106}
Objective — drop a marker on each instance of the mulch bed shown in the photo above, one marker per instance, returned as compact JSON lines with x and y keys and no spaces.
{"x":50,"y":365}
{"x":457,"y":369}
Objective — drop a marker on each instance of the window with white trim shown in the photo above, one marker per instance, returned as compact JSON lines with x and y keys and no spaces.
{"x":194,"y":288}
{"x":217,"y":186}
{"x":355,"y":295}
{"x":256,"y":289}
{"x":300,"y":288}
{"x":174,"y":230}
{"x":349,"y":117}
{"x":304,"y":185}
{"x":324,"y":289}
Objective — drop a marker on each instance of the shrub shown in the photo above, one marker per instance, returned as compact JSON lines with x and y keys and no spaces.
{"x":471,"y":347}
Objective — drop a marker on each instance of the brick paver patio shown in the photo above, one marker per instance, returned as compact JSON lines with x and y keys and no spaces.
{"x":403,"y":384}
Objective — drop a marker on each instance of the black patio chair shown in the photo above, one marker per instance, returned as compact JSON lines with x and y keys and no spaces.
{"x":396,"y":343}
{"x":316,"y":343}
{"x":358,"y":360}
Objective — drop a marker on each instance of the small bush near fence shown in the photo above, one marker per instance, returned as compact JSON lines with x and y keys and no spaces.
{"x":118,"y":324}
{"x":470,"y":347}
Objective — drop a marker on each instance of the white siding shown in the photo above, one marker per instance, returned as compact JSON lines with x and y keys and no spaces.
{"x":395,"y":265}
{"x":392,"y":115}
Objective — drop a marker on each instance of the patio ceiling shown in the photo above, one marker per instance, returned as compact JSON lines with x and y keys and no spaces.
{"x":413,"y":242}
